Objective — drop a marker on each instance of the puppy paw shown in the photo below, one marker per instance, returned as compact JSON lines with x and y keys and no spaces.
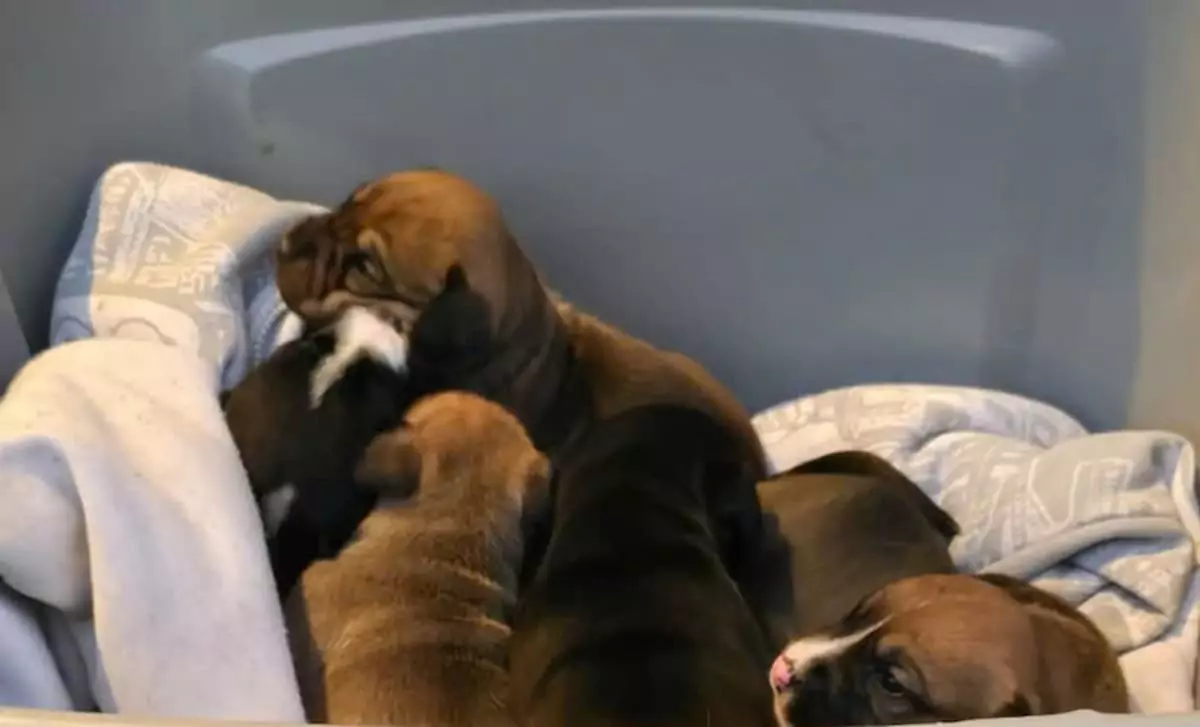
{"x":275,"y":507}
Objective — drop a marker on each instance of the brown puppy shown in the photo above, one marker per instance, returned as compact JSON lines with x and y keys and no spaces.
{"x":391,"y":246}
{"x":944,"y":648}
{"x":409,"y":624}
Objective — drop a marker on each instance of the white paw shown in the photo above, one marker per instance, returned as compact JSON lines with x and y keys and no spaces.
{"x":276,"y":506}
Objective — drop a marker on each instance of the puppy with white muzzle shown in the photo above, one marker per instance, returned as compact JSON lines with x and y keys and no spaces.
{"x":302,"y":419}
{"x":946,"y":648}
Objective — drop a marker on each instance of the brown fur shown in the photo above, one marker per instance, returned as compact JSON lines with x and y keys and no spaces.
{"x":960,"y":647}
{"x":409,"y":624}
{"x":632,"y":618}
{"x":839,"y":528}
{"x":391,"y":244}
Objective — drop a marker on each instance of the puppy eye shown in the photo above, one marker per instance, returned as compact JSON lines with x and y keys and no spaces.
{"x":368,"y":266}
{"x":890,"y":682}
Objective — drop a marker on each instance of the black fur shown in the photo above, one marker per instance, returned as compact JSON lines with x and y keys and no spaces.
{"x":633,"y":617}
{"x":452,"y":339}
{"x":282,"y":440}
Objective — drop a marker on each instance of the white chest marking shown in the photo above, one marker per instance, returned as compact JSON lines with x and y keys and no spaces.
{"x":359,"y":334}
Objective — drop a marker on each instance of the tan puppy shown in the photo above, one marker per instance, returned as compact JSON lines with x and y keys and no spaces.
{"x":391,"y":246}
{"x":944,"y":648}
{"x":409,"y":624}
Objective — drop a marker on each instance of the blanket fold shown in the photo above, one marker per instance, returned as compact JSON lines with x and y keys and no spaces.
{"x":127,"y":511}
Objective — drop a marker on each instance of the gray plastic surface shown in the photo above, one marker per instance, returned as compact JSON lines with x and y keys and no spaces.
{"x":985,"y":192}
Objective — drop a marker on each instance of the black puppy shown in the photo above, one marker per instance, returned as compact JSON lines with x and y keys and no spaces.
{"x":301,"y":421}
{"x":633,"y":617}
{"x":839,"y":528}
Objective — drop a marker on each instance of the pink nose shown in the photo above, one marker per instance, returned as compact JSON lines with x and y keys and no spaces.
{"x":781,"y":673}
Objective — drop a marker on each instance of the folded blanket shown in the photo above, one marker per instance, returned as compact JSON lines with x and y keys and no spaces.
{"x":128,"y":513}
{"x":29,"y":673}
{"x":177,"y":257}
{"x":1107,"y":521}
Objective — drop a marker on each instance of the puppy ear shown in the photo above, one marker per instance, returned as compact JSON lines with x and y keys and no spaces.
{"x":456,"y":278}
{"x":453,"y":327}
{"x":391,"y":465}
{"x":361,"y":193}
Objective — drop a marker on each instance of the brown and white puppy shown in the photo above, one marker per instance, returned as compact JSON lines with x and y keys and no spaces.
{"x":409,"y":624}
{"x":392,"y":244}
{"x":944,"y":648}
{"x":839,"y":528}
{"x":302,"y":419}
{"x":633,"y":617}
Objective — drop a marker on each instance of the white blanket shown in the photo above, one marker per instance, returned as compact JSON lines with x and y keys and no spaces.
{"x":129,"y":529}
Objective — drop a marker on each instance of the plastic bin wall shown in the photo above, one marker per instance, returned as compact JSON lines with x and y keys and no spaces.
{"x":814,"y":194}
{"x":801,"y":200}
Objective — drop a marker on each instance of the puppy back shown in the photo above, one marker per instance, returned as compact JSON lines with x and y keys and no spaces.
{"x":634,"y":617}
{"x":624,"y":372}
{"x":654,"y":431}
{"x":866,"y":464}
{"x":404,"y":627}
{"x":830,"y":540}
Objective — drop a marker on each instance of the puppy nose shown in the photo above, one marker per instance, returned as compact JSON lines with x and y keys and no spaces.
{"x":782,"y":673}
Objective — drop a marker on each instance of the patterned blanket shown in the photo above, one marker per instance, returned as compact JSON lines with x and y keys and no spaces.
{"x":173,"y":256}
{"x":1108,"y":521}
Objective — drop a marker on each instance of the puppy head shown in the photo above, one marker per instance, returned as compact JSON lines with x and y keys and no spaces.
{"x":936,"y":648}
{"x":390,"y":244}
{"x":458,"y":445}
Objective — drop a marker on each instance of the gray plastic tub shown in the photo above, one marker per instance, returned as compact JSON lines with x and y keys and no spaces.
{"x":982,"y":192}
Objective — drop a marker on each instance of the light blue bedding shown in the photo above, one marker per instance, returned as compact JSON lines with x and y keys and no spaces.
{"x":1108,"y":521}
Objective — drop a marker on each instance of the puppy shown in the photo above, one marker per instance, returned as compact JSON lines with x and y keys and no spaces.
{"x":944,"y":648}
{"x":391,"y":246}
{"x":632,"y":617}
{"x":838,"y":529}
{"x":301,"y":421}
{"x":409,"y":624}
